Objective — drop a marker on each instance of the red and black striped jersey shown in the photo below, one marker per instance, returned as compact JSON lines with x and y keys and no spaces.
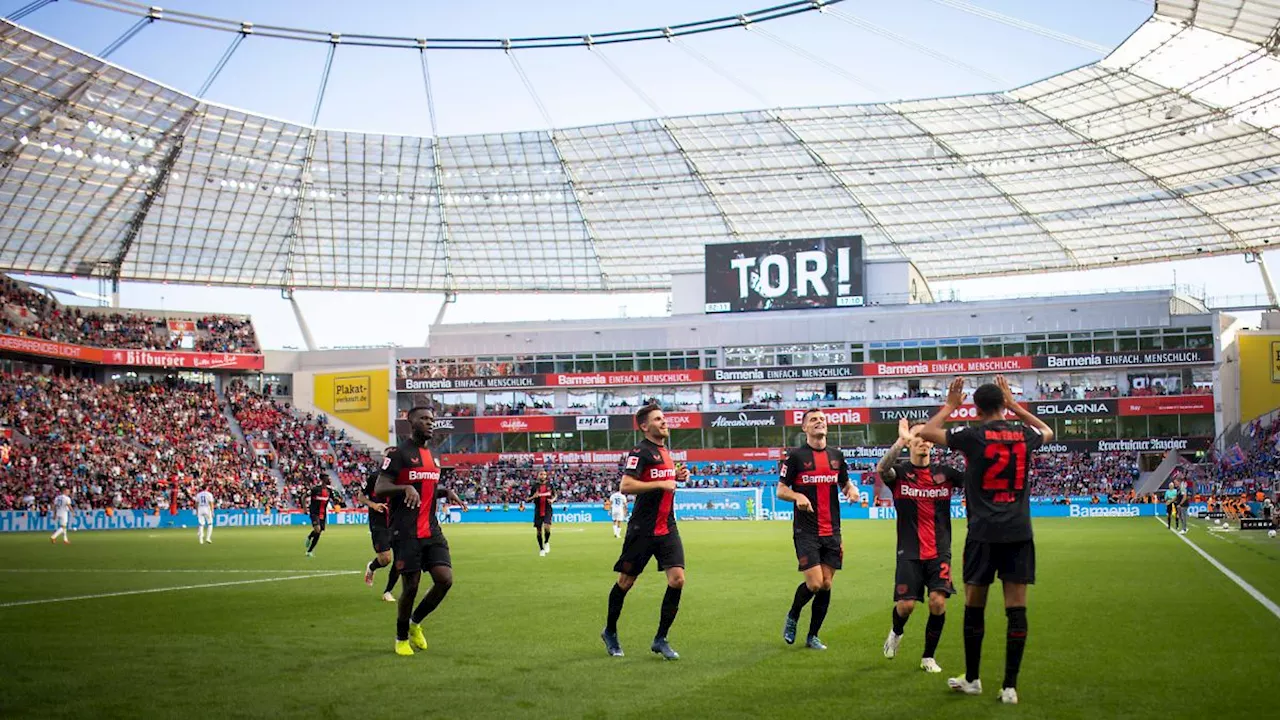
{"x":376,"y":519}
{"x":412,"y":465}
{"x":818,"y":475}
{"x":320,"y":496}
{"x":997,"y":486}
{"x":922,"y":497}
{"x":542,"y":500}
{"x":653,"y":512}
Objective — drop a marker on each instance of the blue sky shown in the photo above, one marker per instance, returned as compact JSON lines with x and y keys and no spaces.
{"x":479,"y":92}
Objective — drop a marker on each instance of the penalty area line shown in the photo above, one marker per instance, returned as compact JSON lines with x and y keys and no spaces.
{"x":149,"y":591}
{"x":1263,"y":600}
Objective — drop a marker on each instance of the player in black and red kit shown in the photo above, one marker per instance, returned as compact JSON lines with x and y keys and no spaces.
{"x":997,"y":491}
{"x":812,"y":477}
{"x":410,"y":477}
{"x":542,"y":512}
{"x":379,"y":531}
{"x":319,"y":498}
{"x":649,"y":474}
{"x":922,"y":497}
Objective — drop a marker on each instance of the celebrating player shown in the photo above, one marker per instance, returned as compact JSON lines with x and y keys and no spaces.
{"x":997,"y":492}
{"x":320,"y":497}
{"x":204,"y":516}
{"x":62,"y":516}
{"x":809,"y":478}
{"x":410,"y":477}
{"x":617,"y":507}
{"x":542,"y":512}
{"x":650,"y":475}
{"x":922,"y":497}
{"x":379,"y":531}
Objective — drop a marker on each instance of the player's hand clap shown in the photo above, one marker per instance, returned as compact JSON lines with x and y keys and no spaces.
{"x":1010,"y":401}
{"x":904,"y":431}
{"x":803,"y":504}
{"x":955,"y":393}
{"x":411,"y":497}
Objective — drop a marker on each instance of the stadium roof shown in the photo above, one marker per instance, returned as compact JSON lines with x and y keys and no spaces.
{"x":1165,"y":149}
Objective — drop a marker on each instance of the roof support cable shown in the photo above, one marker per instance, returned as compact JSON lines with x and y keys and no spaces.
{"x":722,"y":72}
{"x":426,"y":83}
{"x":27,"y":9}
{"x":128,"y":35}
{"x":334,"y":39}
{"x":617,"y":72}
{"x":222,"y":63}
{"x":1024,"y":25}
{"x":528,"y":85}
{"x":918,"y":47}
{"x":820,"y":62}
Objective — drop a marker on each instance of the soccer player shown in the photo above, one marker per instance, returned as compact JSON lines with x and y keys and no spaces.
{"x":922,"y":497}
{"x":204,"y":516}
{"x":379,"y":531}
{"x":649,"y":474}
{"x":320,"y":497}
{"x":809,"y":477}
{"x":542,"y":512}
{"x":997,"y":491}
{"x":617,"y":507}
{"x":61,"y":515}
{"x":410,"y":478}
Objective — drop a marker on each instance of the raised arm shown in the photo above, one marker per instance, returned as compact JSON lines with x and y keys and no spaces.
{"x":1021,"y":412}
{"x":884,"y":468}
{"x":933,"y":430}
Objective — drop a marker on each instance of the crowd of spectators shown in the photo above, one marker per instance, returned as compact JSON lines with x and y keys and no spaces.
{"x":32,"y":314}
{"x":123,"y":445}
{"x":303,"y":446}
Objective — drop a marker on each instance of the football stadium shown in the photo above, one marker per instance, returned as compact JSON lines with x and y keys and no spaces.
{"x":904,"y":273}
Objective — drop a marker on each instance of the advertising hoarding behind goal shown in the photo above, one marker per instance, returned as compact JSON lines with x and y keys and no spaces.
{"x":785,"y":274}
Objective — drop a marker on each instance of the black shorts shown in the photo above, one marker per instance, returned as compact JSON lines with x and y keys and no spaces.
{"x":321,"y":520}
{"x":814,"y":550}
{"x":540,"y":520}
{"x":915,"y":578}
{"x":638,"y":547}
{"x":414,"y":553}
{"x":381,"y":538}
{"x":1015,"y":562}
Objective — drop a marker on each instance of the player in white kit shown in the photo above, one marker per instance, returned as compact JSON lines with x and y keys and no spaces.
{"x":62,"y":514}
{"x":617,"y":507}
{"x":204,"y":516}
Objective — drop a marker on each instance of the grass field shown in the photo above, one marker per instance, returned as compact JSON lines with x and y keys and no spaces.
{"x":1126,"y":621}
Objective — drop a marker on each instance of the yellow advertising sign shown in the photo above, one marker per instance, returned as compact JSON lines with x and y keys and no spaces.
{"x":351,"y":394}
{"x":1259,"y":374}
{"x":357,"y":397}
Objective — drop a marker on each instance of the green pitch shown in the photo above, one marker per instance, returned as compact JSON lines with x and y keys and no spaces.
{"x":1127,"y":621}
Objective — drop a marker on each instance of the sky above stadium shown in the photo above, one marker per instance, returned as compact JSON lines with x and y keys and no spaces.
{"x":381,"y":90}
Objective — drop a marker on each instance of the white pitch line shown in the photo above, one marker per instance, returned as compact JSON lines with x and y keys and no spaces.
{"x":169,"y":589}
{"x":1265,"y":601}
{"x":148,"y":570}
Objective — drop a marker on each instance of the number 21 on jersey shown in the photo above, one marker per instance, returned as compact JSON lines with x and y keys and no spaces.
{"x":1006,"y":470}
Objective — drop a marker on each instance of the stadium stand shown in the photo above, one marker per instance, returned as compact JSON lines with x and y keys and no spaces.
{"x":123,"y":445}
{"x":303,"y":446}
{"x":28,"y":313}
